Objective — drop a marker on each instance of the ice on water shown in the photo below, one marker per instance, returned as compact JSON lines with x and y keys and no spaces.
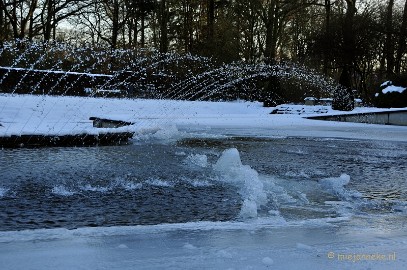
{"x":231,"y":170}
{"x":336,"y":185}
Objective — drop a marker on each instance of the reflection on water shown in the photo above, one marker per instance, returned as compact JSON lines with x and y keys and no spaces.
{"x":152,"y":183}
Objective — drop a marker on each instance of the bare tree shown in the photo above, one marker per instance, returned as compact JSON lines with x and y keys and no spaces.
{"x":388,"y":50}
{"x":19,"y":13}
{"x":401,"y":49}
{"x":54,"y":11}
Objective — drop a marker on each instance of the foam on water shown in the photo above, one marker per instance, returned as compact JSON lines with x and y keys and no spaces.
{"x":197,"y":182}
{"x":89,"y":187}
{"x":231,"y":170}
{"x":159,"y":183}
{"x":3,"y":191}
{"x":300,"y":174}
{"x":129,"y":185}
{"x":197,"y":160}
{"x":61,"y":190}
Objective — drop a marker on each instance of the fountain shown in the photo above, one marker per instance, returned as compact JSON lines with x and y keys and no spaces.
{"x":62,"y":70}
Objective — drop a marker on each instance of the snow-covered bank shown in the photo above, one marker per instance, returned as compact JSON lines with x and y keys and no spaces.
{"x":50,"y":115}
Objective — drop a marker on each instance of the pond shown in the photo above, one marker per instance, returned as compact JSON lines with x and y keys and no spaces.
{"x":203,"y":179}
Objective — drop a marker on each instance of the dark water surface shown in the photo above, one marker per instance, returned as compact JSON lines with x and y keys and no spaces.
{"x":153,"y":183}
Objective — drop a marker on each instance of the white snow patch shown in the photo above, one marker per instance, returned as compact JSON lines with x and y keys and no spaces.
{"x":393,"y":88}
{"x":386,"y":83}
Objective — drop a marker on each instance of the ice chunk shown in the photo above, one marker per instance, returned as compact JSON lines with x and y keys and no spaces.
{"x":245,"y":178}
{"x":168,"y":133}
{"x":230,"y":158}
{"x":336,"y":186}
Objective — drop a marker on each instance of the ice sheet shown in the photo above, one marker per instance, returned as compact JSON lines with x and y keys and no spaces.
{"x":204,"y":246}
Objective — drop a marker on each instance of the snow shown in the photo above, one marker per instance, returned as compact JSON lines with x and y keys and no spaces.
{"x":393,"y":88}
{"x":386,"y":83}
{"x":172,"y":120}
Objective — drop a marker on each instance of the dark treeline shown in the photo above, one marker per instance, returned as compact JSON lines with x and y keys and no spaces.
{"x":359,"y":43}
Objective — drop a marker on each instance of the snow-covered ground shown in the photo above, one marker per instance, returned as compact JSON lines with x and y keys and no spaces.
{"x":257,"y":243}
{"x":50,"y":115}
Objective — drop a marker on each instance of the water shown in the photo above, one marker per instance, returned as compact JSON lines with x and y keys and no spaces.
{"x":38,"y":68}
{"x":151,"y":182}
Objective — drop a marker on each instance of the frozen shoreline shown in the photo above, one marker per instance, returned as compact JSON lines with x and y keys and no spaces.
{"x":50,"y":115}
{"x":205,"y":246}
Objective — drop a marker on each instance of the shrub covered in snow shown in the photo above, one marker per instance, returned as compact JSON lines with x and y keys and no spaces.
{"x":391,"y":95}
{"x":343,"y":100}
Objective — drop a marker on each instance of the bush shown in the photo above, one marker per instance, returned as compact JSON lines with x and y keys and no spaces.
{"x":392,"y":99}
{"x":343,"y":100}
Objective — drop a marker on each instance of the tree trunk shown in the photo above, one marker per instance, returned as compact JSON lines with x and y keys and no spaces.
{"x":389,"y":44}
{"x":348,"y":42}
{"x":327,"y":46}
{"x":163,"y":17}
{"x":210,"y":19}
{"x":187,"y":28}
{"x":271,"y":39}
{"x":115,"y":24}
{"x":343,"y":97}
{"x":402,"y":41}
{"x":2,"y":25}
